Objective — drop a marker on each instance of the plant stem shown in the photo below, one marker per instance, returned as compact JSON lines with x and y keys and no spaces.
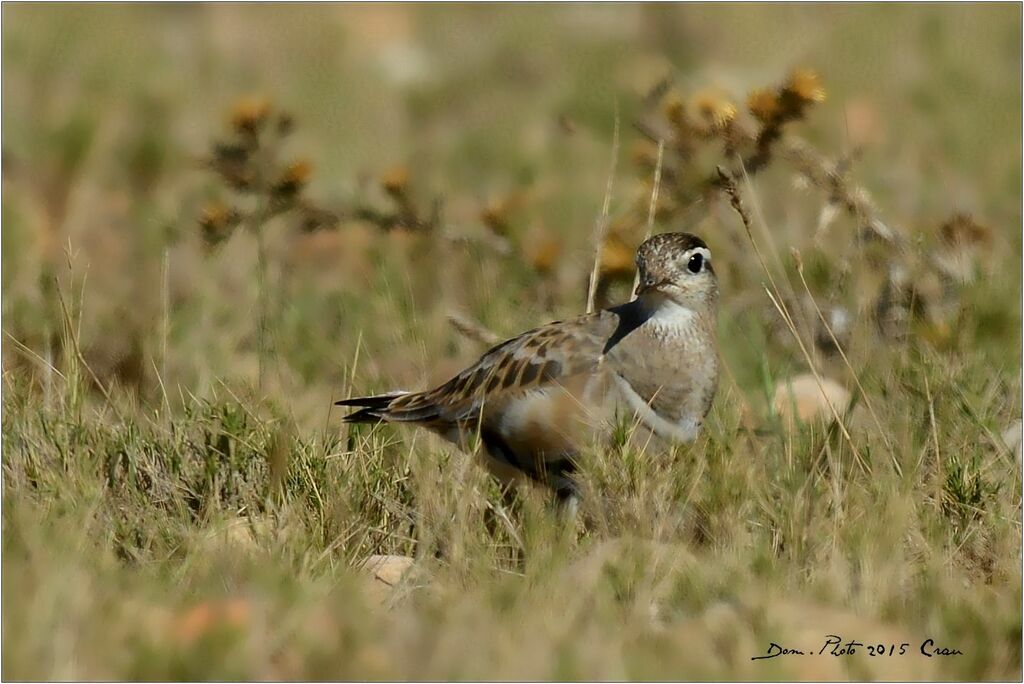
{"x":166,"y":315}
{"x":602,"y":221}
{"x":261,"y":260}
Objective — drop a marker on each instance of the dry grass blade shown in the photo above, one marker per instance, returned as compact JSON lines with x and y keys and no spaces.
{"x":817,"y":377}
{"x":791,"y":291}
{"x":842,"y":353}
{"x":652,"y":208}
{"x":935,"y":439}
{"x":729,"y":186}
{"x":30,"y":353}
{"x":165,"y":323}
{"x":602,"y":221}
{"x":73,"y":335}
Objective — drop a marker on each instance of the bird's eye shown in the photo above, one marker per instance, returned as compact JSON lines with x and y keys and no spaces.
{"x":696,"y":263}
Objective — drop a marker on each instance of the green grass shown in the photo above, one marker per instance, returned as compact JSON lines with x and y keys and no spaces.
{"x":168,"y":513}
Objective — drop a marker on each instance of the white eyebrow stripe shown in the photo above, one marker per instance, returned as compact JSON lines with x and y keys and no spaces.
{"x":703,"y":251}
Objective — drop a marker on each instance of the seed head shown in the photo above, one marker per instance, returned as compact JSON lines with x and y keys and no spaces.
{"x":249,"y":114}
{"x":675,"y":110}
{"x":395,"y":181}
{"x":763,"y":103}
{"x":217,"y":221}
{"x":806,"y":86}
{"x":495,"y":216}
{"x":714,"y":110}
{"x":293,"y":180}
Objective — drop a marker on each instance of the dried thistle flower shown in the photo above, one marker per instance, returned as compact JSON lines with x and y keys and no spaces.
{"x":217,"y":221}
{"x":680,"y":120}
{"x":231,"y":162}
{"x":406,"y":215}
{"x":248,"y":162}
{"x":714,"y":110}
{"x":299,"y":171}
{"x":230,"y":153}
{"x":314,"y":219}
{"x":764,"y":104}
{"x":688,"y":124}
{"x":292,"y":180}
{"x":495,"y":216}
{"x":805,"y":85}
{"x":249,"y":115}
{"x":496,"y":213}
{"x":675,"y":110}
{"x":802,"y":89}
{"x":395,"y":181}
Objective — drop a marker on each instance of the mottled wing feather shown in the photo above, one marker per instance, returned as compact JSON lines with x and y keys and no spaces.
{"x":527,"y":362}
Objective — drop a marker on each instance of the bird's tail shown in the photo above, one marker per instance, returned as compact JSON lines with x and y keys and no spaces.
{"x":372,"y":409}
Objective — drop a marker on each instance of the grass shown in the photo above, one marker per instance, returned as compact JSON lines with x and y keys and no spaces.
{"x":180,"y":501}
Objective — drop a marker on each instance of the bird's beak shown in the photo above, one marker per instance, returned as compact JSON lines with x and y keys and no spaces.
{"x":648,"y":285}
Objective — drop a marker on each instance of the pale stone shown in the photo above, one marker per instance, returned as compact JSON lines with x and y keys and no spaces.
{"x":235,"y":534}
{"x":809,"y":400}
{"x":386,"y":573}
{"x":388,"y":569}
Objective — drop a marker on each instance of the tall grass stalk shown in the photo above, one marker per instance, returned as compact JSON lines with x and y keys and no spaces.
{"x":601,"y":226}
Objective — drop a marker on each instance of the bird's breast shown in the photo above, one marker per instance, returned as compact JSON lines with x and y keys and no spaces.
{"x":667,"y":375}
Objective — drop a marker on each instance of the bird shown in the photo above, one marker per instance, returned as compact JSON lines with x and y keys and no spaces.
{"x":530,"y":406}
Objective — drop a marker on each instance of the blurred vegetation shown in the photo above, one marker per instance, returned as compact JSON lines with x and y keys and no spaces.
{"x":219,"y":219}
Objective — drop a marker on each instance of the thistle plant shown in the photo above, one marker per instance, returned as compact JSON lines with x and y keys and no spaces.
{"x":405,"y":212}
{"x":260,"y":185}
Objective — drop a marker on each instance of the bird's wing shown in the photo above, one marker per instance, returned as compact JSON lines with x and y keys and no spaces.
{"x":526,"y":363}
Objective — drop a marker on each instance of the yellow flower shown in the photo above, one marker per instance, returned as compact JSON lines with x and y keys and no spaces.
{"x":495,"y":216}
{"x":674,"y":109}
{"x":763,"y":103}
{"x":806,"y":85}
{"x":714,"y":109}
{"x":249,"y":114}
{"x":216,"y":222}
{"x":395,"y":180}
{"x":299,"y":171}
{"x":213,"y":214}
{"x":294,"y":178}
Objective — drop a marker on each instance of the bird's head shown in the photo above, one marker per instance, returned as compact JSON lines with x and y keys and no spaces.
{"x":677,"y":267}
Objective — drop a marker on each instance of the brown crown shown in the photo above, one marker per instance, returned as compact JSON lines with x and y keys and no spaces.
{"x":662,"y":245}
